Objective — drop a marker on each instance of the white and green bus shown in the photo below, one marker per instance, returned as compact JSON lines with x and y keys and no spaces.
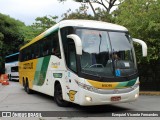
{"x":82,"y":61}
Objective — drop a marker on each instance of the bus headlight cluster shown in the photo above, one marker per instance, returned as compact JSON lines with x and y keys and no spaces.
{"x":84,"y":86}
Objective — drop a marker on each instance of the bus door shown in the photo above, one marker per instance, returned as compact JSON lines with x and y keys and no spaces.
{"x":71,"y":74}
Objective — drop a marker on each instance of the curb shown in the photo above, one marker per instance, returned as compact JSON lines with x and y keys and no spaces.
{"x":149,"y":93}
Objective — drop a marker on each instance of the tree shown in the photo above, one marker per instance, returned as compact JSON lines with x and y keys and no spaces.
{"x":142,"y":20}
{"x":10,"y":36}
{"x":79,"y":13}
{"x":1,"y":39}
{"x":107,"y":4}
{"x":41,"y":24}
{"x":28,"y":33}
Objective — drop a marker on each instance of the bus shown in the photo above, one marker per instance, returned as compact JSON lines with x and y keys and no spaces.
{"x":84,"y":62}
{"x":11,"y":66}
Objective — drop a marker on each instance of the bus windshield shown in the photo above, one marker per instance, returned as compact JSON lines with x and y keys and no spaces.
{"x":106,"y":53}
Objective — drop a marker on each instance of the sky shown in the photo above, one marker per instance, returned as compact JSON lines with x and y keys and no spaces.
{"x":28,"y":10}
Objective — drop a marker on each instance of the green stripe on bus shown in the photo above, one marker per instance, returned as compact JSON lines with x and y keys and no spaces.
{"x":131,"y":82}
{"x":41,"y":70}
{"x":126,"y":84}
{"x":38,"y":69}
{"x":122,"y":84}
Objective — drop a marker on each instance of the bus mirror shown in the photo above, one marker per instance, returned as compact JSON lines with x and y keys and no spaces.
{"x":78,"y":43}
{"x":144,"y":46}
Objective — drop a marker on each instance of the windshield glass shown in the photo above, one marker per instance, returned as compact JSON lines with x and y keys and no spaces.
{"x":122,"y":54}
{"x":106,"y":54}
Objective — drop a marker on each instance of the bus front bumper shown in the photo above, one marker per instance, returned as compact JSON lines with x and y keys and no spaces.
{"x":88,"y":98}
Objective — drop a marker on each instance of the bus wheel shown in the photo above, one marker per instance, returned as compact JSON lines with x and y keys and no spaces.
{"x":23,"y":83}
{"x":27,"y":89}
{"x":58,"y":97}
{"x":9,"y":77}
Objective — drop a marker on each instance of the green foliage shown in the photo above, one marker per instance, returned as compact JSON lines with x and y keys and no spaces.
{"x":143,"y":21}
{"x":106,"y":4}
{"x":103,"y":15}
{"x":41,"y":24}
{"x":80,"y":13}
{"x":10,"y":36}
{"x":1,"y":39}
{"x":28,"y":33}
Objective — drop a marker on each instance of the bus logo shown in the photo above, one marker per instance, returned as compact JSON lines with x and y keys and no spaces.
{"x":55,"y":65}
{"x":71,"y":95}
{"x":116,"y":91}
{"x":28,"y":65}
{"x":107,"y":85}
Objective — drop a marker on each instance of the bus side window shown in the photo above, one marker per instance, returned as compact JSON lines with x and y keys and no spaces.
{"x":25,"y":54}
{"x":32,"y":52}
{"x":50,"y":44}
{"x":45,"y":47}
{"x":21,"y":56}
{"x":36,"y":50}
{"x":41,"y":48}
{"x":56,"y":47}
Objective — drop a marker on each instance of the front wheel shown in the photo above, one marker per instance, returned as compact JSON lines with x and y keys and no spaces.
{"x":58,"y":97}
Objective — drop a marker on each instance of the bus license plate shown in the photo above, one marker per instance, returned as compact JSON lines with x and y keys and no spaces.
{"x":116,"y":98}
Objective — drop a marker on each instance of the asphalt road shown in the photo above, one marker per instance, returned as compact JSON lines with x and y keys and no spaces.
{"x":14,"y":98}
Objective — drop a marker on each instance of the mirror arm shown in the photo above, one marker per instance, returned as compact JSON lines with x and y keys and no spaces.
{"x":143,"y":44}
{"x":78,"y":43}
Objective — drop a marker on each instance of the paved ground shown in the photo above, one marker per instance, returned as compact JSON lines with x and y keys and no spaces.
{"x":14,"y":98}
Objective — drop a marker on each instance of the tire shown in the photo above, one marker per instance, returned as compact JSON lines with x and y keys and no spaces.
{"x":24,"y":84}
{"x":9,"y":77}
{"x":27,"y":89}
{"x":58,"y":97}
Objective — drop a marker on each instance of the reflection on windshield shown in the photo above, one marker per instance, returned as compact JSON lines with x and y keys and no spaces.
{"x":106,"y":53}
{"x":123,"y":54}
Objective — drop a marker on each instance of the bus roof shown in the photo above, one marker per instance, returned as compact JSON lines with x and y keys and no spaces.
{"x":77,"y":23}
{"x":12,"y":54}
{"x":92,"y":24}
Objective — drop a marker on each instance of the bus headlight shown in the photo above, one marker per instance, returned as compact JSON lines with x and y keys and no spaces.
{"x":88,"y":98}
{"x":136,"y":96}
{"x":84,"y":86}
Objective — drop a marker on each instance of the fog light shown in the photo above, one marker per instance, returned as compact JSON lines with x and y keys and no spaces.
{"x":136,"y":96}
{"x":88,"y":98}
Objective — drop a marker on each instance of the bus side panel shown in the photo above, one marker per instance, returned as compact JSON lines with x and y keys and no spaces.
{"x":27,"y":70}
{"x":47,"y":72}
{"x":71,"y":88}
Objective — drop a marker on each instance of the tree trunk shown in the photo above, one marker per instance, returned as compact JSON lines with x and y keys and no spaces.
{"x":92,"y":7}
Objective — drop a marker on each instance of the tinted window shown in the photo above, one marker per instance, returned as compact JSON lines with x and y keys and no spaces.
{"x":44,"y":47}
